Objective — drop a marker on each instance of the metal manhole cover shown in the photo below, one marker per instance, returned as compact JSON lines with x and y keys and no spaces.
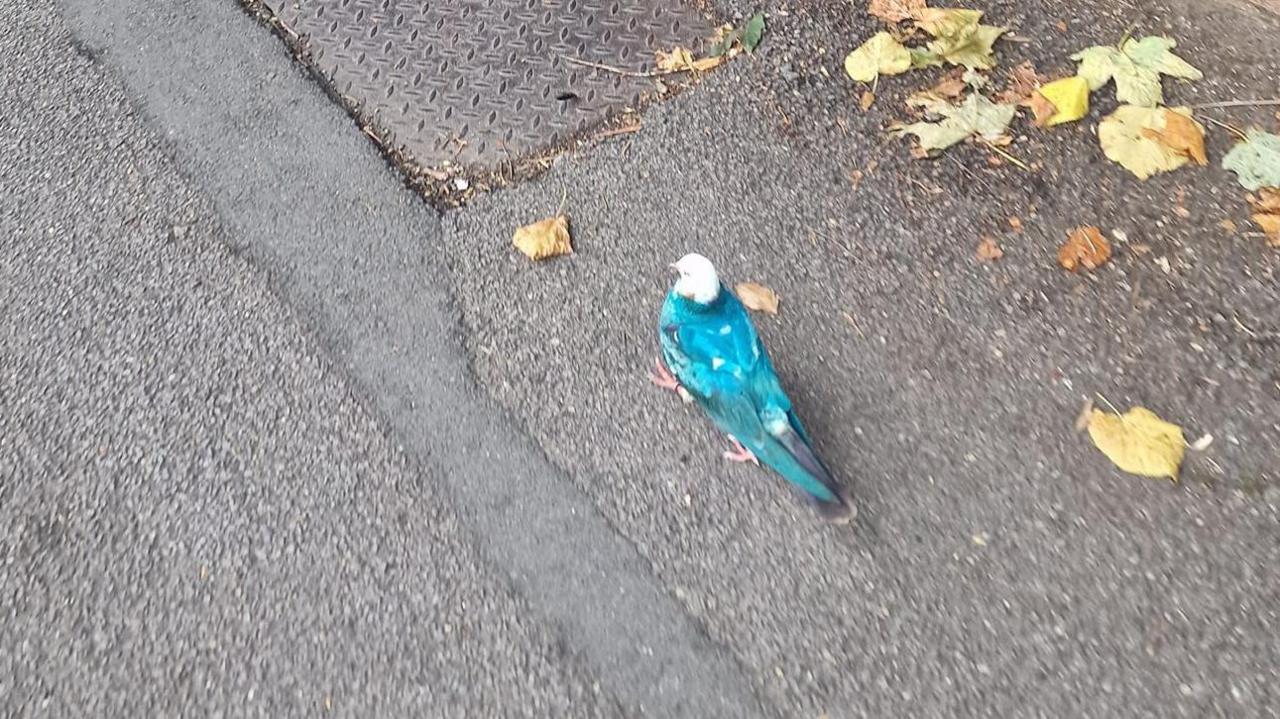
{"x":479,"y":82}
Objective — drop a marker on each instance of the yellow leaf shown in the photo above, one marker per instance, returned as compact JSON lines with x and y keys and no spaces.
{"x":757,"y":297}
{"x":1070,"y":99}
{"x":1139,"y":442}
{"x":1266,"y":213}
{"x":881,"y":55}
{"x":547,"y":238}
{"x":1134,"y":137}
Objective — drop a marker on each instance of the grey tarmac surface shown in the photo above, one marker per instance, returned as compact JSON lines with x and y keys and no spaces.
{"x":1000,"y":566}
{"x":197,"y":515}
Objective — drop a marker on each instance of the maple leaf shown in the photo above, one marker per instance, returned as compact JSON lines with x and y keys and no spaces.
{"x":1136,"y":67}
{"x":544,"y":239}
{"x":757,"y":297}
{"x":976,"y":116}
{"x":1256,"y":160}
{"x":1085,"y":247}
{"x":894,"y":10}
{"x":881,"y":55}
{"x":1265,"y":207}
{"x":1145,"y":141}
{"x":1139,"y":442}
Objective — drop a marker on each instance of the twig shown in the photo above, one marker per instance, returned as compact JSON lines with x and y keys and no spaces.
{"x":1128,"y":33}
{"x":625,"y":129}
{"x":1007,"y":156}
{"x":618,"y":70}
{"x":1107,"y":402}
{"x":1235,"y":103}
{"x":1233,"y":129}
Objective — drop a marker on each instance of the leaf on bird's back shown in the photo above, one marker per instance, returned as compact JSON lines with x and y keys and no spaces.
{"x":1139,"y":442}
{"x":544,"y":239}
{"x":757,"y":297}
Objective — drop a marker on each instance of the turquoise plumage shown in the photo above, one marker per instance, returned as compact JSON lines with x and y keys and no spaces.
{"x":715,"y":355}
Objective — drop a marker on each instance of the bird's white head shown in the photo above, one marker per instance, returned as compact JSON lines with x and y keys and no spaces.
{"x":698,"y":279}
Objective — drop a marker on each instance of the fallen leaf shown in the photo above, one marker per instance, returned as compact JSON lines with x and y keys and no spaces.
{"x":1266,"y":213}
{"x":1015,"y":224}
{"x":1023,"y":81}
{"x":1069,"y":98}
{"x":1136,"y":138}
{"x":948,"y":88}
{"x":680,"y":59}
{"x":1228,"y":225}
{"x":757,"y":297}
{"x":1136,"y":67}
{"x":725,"y":41}
{"x":921,"y":58}
{"x":1139,"y":442}
{"x":1182,"y":134}
{"x":1041,"y":108}
{"x":1085,"y":247}
{"x":947,"y":22}
{"x":867,"y":100}
{"x":958,"y":38}
{"x":881,"y":55}
{"x":976,"y":116}
{"x":1256,"y":160}
{"x":855,"y":178}
{"x":894,"y":10}
{"x":1061,"y":25}
{"x":753,"y":32}
{"x":544,"y":239}
{"x":988,"y":250}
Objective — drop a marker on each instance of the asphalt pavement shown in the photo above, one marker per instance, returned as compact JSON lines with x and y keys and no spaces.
{"x":285,"y":441}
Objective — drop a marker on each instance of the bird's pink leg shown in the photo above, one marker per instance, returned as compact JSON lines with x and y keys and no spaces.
{"x":740,"y":453}
{"x":662,"y":376}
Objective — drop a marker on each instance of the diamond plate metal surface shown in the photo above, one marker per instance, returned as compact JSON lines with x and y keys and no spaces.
{"x":479,"y":82}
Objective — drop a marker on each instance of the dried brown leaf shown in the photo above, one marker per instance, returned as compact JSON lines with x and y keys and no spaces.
{"x":1085,"y":247}
{"x":1266,"y":213}
{"x":1015,"y":224}
{"x":1228,"y":225}
{"x":1182,"y":134}
{"x":868,"y":98}
{"x":1023,"y":81}
{"x":757,"y":297}
{"x":1061,"y":25}
{"x":988,"y":250}
{"x":1041,"y":108}
{"x":544,"y":239}
{"x":894,"y":10}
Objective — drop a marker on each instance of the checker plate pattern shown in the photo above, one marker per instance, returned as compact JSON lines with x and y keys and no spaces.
{"x":479,"y":82}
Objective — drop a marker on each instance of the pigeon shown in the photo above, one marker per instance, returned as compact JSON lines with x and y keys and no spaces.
{"x":711,"y":355}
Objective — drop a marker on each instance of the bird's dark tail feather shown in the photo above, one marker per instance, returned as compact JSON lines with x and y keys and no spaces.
{"x":841,"y":510}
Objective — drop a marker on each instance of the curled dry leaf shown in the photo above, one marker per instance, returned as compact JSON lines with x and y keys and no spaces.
{"x":1182,"y":134}
{"x":1265,"y":208}
{"x":757,"y":297}
{"x":544,"y":239}
{"x":867,"y":100}
{"x":1085,"y":247}
{"x":1139,"y":442}
{"x":894,"y":10}
{"x":1023,"y":81}
{"x":681,"y":59}
{"x":988,"y":250}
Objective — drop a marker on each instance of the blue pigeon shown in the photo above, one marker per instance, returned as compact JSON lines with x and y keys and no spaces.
{"x":717,"y":360}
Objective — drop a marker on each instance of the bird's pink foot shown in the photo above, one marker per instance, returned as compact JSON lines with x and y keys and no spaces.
{"x":662,"y":377}
{"x":740,"y":453}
